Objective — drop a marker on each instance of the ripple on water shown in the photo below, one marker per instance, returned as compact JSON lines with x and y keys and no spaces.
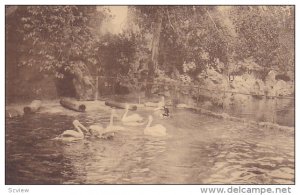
{"x":244,"y":162}
{"x":199,"y":150}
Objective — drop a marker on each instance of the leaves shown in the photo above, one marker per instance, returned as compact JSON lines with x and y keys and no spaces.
{"x":227,"y":34}
{"x":53,"y":36}
{"x":192,"y":39}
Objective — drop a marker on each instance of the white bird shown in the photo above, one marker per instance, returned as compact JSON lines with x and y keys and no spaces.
{"x":99,"y":131}
{"x":132,"y":118}
{"x":156,"y":130}
{"x":108,"y":132}
{"x":160,"y":104}
{"x":72,"y":135}
{"x":111,"y":126}
{"x":96,"y":130}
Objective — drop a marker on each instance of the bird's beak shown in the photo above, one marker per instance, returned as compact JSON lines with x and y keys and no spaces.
{"x":83,"y":127}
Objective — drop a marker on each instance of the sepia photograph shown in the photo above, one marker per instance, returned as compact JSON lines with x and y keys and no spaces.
{"x":149,"y":94}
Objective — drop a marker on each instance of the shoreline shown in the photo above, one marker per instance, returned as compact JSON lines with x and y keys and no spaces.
{"x":53,"y":106}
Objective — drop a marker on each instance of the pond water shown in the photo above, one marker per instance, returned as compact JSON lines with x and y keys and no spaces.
{"x":198,"y":150}
{"x":280,"y":111}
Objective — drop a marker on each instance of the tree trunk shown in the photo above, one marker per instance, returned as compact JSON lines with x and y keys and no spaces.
{"x":153,"y":63}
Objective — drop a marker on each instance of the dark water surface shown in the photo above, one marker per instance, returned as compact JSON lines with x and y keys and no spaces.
{"x":198,"y":150}
{"x":280,"y":111}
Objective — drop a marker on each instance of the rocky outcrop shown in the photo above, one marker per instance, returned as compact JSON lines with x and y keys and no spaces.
{"x":83,"y":82}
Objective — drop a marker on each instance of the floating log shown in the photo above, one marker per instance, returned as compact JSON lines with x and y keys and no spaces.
{"x":11,"y":113}
{"x":182,"y":106}
{"x":72,"y":104}
{"x":151,"y":104}
{"x":120,"y":105}
{"x":33,"y":107}
{"x":267,"y":125}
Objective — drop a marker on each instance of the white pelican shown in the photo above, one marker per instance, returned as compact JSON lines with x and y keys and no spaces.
{"x":96,"y":130}
{"x":156,"y":130}
{"x":108,"y":132}
{"x":132,"y":119}
{"x":72,"y":135}
{"x":111,"y":126}
{"x":160,"y":104}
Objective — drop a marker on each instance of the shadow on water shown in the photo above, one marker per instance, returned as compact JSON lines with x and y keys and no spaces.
{"x":198,"y":150}
{"x":280,"y":111}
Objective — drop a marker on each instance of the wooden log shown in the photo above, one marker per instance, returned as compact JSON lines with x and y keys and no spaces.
{"x":33,"y":107}
{"x":72,"y":104}
{"x":151,"y":104}
{"x":119,"y":105}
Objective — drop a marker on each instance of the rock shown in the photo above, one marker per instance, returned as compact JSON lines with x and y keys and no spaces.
{"x":83,"y":83}
{"x":270,"y":83}
{"x":271,"y":77}
{"x":283,"y":88}
{"x":214,"y":75}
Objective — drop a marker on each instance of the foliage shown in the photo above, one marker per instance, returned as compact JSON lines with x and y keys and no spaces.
{"x":116,"y":53}
{"x":193,"y":41}
{"x":266,"y":33}
{"x":55,"y":38}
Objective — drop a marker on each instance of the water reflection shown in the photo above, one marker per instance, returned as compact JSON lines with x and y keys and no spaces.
{"x":199,"y":150}
{"x":279,"y":111}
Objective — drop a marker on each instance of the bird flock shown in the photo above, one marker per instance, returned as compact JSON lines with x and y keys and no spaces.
{"x":108,"y":132}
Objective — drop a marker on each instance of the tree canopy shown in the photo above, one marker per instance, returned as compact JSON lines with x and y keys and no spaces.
{"x":179,"y":41}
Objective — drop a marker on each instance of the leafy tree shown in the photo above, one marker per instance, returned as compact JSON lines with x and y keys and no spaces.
{"x":206,"y":35}
{"x":116,"y":54}
{"x":266,"y":33}
{"x":55,"y":38}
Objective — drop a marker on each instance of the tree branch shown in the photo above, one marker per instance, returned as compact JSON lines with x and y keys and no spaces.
{"x":168,"y":16}
{"x":212,"y":20}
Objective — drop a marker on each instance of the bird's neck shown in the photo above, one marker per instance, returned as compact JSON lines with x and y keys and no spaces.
{"x":149,"y":123}
{"x":111,"y":119}
{"x":78,"y":129}
{"x":125,"y":114}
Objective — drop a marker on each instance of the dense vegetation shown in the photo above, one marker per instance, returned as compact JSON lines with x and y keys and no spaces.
{"x":203,"y":45}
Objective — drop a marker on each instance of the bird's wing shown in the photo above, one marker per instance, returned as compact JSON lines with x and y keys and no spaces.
{"x":69,"y":132}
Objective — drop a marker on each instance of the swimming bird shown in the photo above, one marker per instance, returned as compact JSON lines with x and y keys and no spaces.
{"x":72,"y":135}
{"x":111,"y":126}
{"x":162,"y":111}
{"x":131,"y":118}
{"x":96,"y":130}
{"x":108,"y":132}
{"x":160,"y":104}
{"x":156,"y":130}
{"x":165,"y":113}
